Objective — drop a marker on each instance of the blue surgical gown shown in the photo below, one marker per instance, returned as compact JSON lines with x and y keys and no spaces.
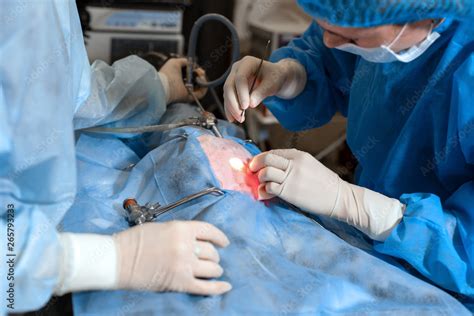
{"x":411,"y":128}
{"x":47,"y":90}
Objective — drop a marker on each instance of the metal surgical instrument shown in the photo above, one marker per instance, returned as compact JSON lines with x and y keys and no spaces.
{"x":138,"y":214}
{"x":205,"y":114}
{"x":207,"y":120}
{"x":257,"y":72}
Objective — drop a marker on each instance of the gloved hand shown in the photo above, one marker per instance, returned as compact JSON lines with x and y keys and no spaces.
{"x":173,"y":81}
{"x":300,"y":179}
{"x":285,"y":79}
{"x":171,"y":256}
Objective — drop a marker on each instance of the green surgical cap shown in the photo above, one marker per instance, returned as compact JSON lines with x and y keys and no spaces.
{"x":367,"y":13}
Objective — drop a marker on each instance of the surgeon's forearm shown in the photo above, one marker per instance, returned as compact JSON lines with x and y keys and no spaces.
{"x":372,"y":213}
{"x":295,"y":81}
{"x":88,"y":262}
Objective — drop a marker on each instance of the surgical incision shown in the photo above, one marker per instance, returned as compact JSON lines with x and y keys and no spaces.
{"x":229,"y":161}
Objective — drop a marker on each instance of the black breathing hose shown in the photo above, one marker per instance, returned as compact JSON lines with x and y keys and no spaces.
{"x":193,"y":40}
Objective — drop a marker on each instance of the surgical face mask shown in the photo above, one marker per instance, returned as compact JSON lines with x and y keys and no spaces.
{"x":385,"y":54}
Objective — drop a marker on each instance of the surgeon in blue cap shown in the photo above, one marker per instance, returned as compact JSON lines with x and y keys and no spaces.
{"x":403,"y":74}
{"x":47,"y":90}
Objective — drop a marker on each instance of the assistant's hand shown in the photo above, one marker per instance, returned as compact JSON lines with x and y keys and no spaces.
{"x":171,"y":256}
{"x":285,"y":79}
{"x":300,"y":179}
{"x":177,"y":91}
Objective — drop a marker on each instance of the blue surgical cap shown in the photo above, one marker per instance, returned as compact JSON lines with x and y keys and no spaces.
{"x":367,"y":13}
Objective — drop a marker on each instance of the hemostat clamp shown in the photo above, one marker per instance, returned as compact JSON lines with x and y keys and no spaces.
{"x":139,"y":214}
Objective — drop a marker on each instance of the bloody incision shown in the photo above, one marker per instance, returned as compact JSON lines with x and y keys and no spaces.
{"x":229,"y":162}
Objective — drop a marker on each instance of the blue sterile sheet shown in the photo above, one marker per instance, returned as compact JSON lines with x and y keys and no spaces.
{"x":279,"y":260}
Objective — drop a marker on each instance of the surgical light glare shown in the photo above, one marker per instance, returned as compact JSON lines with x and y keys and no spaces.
{"x":237,"y":164}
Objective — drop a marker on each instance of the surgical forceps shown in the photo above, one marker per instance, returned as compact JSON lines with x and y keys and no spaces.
{"x":207,"y":120}
{"x":138,"y":214}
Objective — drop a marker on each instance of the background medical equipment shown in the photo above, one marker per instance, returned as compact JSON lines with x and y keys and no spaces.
{"x":214,"y":43}
{"x":116,"y":33}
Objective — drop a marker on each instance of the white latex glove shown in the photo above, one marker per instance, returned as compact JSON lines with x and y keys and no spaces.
{"x":300,"y":179}
{"x":171,"y":256}
{"x":173,"y":82}
{"x":285,"y":79}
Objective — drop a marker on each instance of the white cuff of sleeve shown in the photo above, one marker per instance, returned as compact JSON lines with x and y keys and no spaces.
{"x":166,"y":85}
{"x":88,"y":262}
{"x":296,"y":81}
